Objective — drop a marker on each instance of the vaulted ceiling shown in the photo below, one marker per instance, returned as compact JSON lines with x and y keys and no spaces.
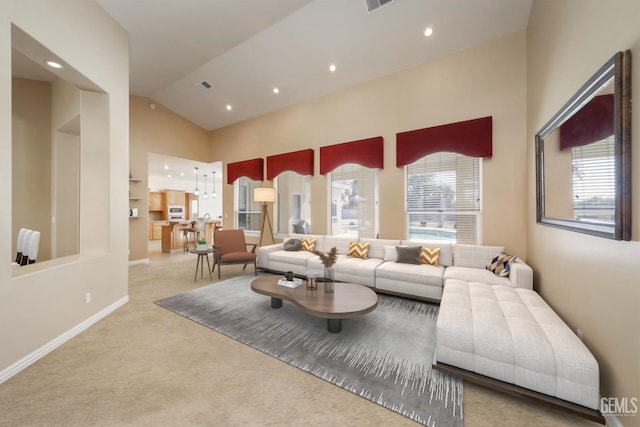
{"x":246,"y":48}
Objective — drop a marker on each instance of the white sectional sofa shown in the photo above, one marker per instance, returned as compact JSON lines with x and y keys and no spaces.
{"x":490,"y":329}
{"x":381,"y":271}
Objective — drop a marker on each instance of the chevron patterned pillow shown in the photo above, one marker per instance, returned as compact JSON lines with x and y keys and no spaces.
{"x":429,"y":256}
{"x":358,"y":250}
{"x":308,"y":244}
{"x":500,"y":265}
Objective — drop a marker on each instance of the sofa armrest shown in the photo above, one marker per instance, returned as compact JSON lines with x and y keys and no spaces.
{"x":521,"y":275}
{"x":264,"y":251}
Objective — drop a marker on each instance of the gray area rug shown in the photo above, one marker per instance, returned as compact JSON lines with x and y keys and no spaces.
{"x":384,"y":356}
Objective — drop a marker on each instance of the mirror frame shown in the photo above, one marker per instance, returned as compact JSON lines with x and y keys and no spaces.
{"x":618,"y":67}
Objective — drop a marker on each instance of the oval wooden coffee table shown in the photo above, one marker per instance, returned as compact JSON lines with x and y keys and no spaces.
{"x":348,"y":299}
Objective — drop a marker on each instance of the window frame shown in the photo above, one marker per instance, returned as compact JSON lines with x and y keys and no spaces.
{"x":249,"y":199}
{"x":476,"y":213}
{"x":305,"y":181}
{"x":376,"y":202}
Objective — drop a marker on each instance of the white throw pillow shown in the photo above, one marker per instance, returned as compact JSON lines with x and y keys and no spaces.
{"x":390,"y":253}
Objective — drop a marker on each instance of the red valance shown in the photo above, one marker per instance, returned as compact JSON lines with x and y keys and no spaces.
{"x":252,"y":169}
{"x":296,"y":161}
{"x":593,"y":122}
{"x":365,"y":152}
{"x":471,"y":137}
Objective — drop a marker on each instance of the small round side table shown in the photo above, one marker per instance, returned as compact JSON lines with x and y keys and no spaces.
{"x":202,"y":253}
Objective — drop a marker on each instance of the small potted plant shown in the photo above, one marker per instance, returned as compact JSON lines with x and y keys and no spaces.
{"x":328,"y":260}
{"x":202,"y":245}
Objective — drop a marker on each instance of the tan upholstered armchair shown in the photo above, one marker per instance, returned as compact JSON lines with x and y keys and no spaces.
{"x":231,"y":248}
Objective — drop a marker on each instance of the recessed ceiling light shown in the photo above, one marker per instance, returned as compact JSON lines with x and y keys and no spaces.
{"x":181,"y":173}
{"x":332,"y":68}
{"x":229,"y":107}
{"x":166,"y":167}
{"x":53,"y":64}
{"x":428,"y":31}
{"x":276,"y":90}
{"x":169,"y":176}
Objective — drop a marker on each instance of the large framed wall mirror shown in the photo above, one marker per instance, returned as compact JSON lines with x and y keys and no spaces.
{"x":583,"y":157}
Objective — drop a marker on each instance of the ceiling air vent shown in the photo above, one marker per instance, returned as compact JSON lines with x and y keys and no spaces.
{"x":373,"y":5}
{"x":205,"y":84}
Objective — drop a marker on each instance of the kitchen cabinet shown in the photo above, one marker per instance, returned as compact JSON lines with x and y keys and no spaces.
{"x":174,"y":197}
{"x":155,"y":229}
{"x":156,"y":201}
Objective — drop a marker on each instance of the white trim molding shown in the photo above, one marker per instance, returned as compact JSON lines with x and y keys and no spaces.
{"x":33,"y":357}
{"x":612,"y":420}
{"x":139,"y":261}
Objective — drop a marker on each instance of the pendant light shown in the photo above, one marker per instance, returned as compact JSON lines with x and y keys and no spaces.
{"x":205,"y":196}
{"x":213,"y":192}
{"x":196,"y":192}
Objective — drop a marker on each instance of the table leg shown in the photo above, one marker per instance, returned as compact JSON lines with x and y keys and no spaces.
{"x":201,"y":264}
{"x":334,"y":325}
{"x":197,"y":264}
{"x":276,"y":302}
{"x":208,"y":267}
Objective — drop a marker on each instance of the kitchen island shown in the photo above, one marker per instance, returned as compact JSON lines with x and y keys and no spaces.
{"x":173,"y":233}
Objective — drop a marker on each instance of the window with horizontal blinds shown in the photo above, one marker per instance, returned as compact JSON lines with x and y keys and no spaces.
{"x":293,"y":202}
{"x":248,"y":213}
{"x":353,"y":204}
{"x":593,"y":170}
{"x":443,"y":198}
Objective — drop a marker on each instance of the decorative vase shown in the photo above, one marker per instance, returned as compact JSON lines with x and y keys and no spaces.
{"x":328,"y":280}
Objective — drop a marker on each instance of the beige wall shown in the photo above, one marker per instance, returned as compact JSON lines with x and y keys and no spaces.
{"x":66,"y":112}
{"x":47,"y":300}
{"x":31,"y":159}
{"x":592,"y":282}
{"x":488,"y":80}
{"x":159,"y":131}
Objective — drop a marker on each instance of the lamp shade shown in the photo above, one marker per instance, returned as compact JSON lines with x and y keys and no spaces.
{"x":264,"y":195}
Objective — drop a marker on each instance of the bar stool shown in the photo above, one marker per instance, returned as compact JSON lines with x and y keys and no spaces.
{"x":188,"y":237}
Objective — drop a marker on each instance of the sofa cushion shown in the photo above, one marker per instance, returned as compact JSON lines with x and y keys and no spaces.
{"x":408,"y":255}
{"x":390,"y":253}
{"x":340,"y":243}
{"x":413,"y":273}
{"x":446,"y":249}
{"x":315,"y":263}
{"x":292,"y":245}
{"x":377,"y":246}
{"x":358,"y":250}
{"x":474,"y":256}
{"x":468,"y":274}
{"x":353,"y":266}
{"x":500,"y":265}
{"x":295,"y":258}
{"x":511,"y":334}
{"x":308,"y":245}
{"x":429,"y":256}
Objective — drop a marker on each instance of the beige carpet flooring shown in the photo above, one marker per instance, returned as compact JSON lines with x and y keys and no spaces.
{"x":146,"y":366}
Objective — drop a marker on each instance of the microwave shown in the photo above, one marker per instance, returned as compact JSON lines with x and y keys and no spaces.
{"x":175,"y":213}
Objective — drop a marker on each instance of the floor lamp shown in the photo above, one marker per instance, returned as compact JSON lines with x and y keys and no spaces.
{"x":265,"y":195}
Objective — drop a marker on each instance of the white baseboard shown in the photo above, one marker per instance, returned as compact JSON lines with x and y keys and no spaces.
{"x":33,"y":357}
{"x":612,"y":420}
{"x":139,"y":261}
